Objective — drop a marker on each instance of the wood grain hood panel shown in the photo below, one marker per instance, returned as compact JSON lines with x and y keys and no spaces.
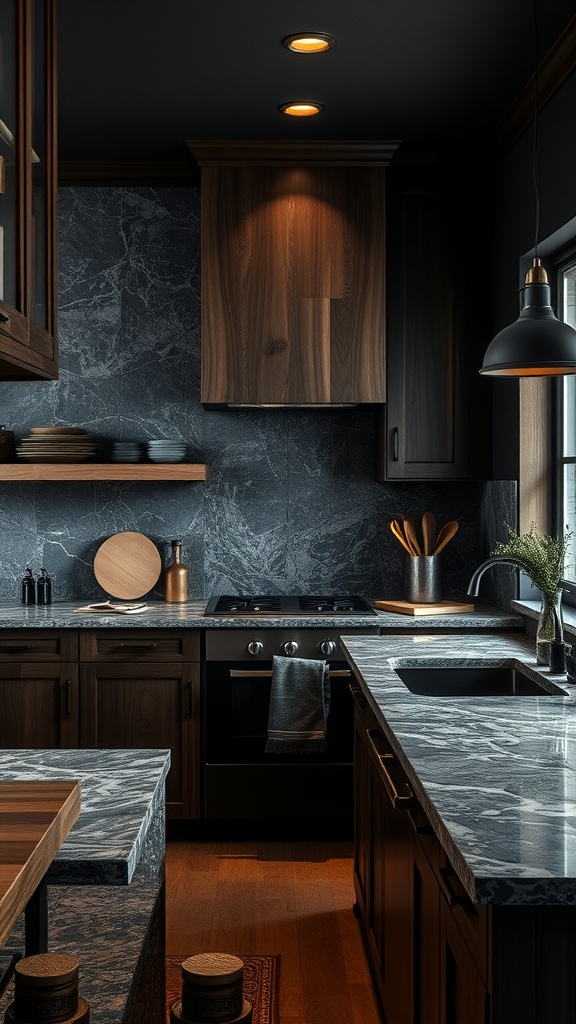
{"x":293,"y":273}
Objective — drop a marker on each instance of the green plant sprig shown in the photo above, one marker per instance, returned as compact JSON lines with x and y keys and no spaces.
{"x":539,"y":555}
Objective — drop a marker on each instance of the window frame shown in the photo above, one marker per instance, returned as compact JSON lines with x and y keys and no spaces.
{"x":560,"y":261}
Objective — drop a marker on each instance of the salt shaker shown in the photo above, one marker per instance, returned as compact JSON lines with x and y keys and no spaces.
{"x":44,"y":588}
{"x":28,"y":588}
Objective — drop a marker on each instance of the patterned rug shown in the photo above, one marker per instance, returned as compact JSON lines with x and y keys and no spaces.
{"x":261,"y":975}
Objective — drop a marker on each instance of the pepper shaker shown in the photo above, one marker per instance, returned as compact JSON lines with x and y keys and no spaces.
{"x":28,"y":588}
{"x":44,"y":588}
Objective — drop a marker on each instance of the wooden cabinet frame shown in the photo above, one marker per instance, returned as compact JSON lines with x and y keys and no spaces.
{"x":28,"y":351}
{"x":40,"y":705}
{"x":436,"y":424}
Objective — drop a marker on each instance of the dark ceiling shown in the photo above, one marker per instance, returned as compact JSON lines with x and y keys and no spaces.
{"x":138,"y":77}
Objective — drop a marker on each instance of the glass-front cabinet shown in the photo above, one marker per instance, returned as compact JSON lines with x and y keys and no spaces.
{"x":28,"y":349}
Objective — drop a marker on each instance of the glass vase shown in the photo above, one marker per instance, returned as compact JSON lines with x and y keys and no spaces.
{"x":550,"y":626}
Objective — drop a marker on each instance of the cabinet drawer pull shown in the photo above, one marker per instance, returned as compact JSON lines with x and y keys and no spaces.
{"x":68,"y":698}
{"x":358,"y":696}
{"x":421,"y":828}
{"x":4,"y":319}
{"x":395,"y":444}
{"x":190,"y":698}
{"x":15,"y":647}
{"x":138,"y":646}
{"x":454,"y":898}
{"x":401,"y":801}
{"x":266,"y":673}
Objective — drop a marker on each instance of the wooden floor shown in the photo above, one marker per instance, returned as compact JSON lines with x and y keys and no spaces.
{"x":292,"y":898}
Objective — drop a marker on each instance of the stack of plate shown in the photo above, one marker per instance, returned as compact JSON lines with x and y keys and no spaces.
{"x":126,"y":451}
{"x":166,"y":451}
{"x":56,"y":444}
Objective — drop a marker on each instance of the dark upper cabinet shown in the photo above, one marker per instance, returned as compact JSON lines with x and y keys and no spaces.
{"x":437,"y":422}
{"x":28,"y":191}
{"x":293,"y":272}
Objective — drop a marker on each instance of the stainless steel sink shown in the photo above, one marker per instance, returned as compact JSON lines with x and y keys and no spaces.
{"x":500,"y":681}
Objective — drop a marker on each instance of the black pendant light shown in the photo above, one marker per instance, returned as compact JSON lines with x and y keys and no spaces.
{"x":537,"y":344}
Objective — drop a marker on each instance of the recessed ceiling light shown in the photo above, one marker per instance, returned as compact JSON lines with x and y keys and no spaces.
{"x":309,"y":42}
{"x":301,"y":109}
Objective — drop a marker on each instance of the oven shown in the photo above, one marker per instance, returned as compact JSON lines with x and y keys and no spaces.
{"x":240,"y":779}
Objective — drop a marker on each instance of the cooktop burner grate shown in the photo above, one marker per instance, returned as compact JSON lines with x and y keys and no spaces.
{"x":244,"y":605}
{"x":326,"y":605}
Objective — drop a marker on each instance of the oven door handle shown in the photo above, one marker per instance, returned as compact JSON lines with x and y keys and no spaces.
{"x":266,"y":673}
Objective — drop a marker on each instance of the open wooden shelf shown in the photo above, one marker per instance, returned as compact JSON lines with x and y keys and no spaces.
{"x":122,"y":471}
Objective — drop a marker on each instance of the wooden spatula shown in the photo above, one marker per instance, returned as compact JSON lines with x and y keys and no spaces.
{"x":428,"y":532}
{"x":446,"y":534}
{"x":398,"y":532}
{"x":411,"y":534}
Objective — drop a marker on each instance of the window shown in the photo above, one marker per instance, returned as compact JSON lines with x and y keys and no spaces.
{"x":566,"y":474}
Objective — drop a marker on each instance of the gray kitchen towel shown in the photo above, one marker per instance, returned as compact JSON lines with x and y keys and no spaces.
{"x":299,"y":704}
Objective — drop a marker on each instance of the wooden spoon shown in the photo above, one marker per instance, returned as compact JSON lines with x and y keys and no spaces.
{"x":396,"y":528}
{"x":446,"y":534}
{"x":428,"y":532}
{"x":410,"y":531}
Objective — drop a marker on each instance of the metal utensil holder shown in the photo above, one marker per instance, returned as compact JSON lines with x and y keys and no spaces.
{"x":423,"y":582}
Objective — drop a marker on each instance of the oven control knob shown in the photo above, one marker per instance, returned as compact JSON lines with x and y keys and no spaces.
{"x":327,"y":647}
{"x":255,"y":647}
{"x":290,"y":647}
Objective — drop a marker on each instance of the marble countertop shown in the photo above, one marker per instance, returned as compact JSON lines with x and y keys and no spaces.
{"x":159,"y":614}
{"x":120,"y":793}
{"x":495,"y":775}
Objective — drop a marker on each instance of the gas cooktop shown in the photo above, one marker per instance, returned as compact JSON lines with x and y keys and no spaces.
{"x":266,"y":604}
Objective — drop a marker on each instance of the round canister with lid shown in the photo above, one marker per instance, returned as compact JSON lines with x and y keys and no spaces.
{"x":212,"y":987}
{"x":46,"y":990}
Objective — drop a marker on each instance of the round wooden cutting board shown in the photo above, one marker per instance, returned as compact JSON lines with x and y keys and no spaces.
{"x":127,"y":565}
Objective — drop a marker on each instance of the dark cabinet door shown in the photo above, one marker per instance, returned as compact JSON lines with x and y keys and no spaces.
{"x":463,"y":995}
{"x":436,"y":422}
{"x":361,"y":811}
{"x":383,"y":870}
{"x":28,"y":185}
{"x":426,"y":929}
{"x":127,"y":705}
{"x":427,"y":957}
{"x":39,"y":705}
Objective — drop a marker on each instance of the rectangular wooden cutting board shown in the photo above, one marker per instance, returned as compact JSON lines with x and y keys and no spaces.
{"x":410,"y":608}
{"x":35,"y":818}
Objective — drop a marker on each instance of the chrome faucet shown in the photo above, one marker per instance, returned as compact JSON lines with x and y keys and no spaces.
{"x":474,"y":584}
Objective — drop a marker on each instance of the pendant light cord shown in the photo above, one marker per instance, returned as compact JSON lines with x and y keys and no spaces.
{"x":535,"y":153}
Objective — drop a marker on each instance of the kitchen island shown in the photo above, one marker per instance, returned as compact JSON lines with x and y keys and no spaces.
{"x":465,"y":835}
{"x":106,"y":883}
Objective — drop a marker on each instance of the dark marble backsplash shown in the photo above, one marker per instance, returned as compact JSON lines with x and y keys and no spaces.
{"x":291,"y":505}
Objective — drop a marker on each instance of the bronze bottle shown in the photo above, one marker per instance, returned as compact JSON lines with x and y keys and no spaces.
{"x":176,"y":576}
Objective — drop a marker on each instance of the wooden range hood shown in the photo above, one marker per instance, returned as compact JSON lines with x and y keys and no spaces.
{"x":292,"y":272}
